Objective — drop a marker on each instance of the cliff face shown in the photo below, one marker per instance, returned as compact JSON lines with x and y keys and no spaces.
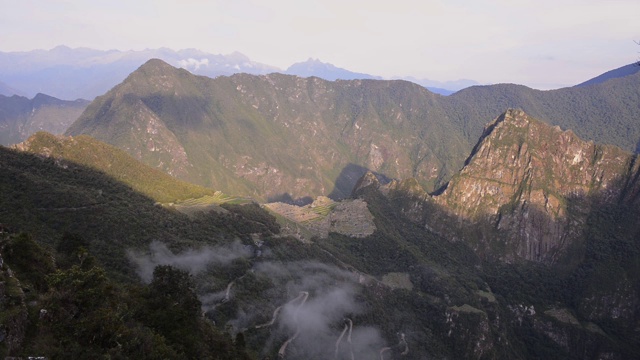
{"x":526,"y":191}
{"x":535,"y":183}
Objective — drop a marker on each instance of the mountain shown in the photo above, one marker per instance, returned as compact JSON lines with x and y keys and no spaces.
{"x":6,"y":90}
{"x":68,"y":73}
{"x":602,"y":112}
{"x":533,"y":194}
{"x":276,"y":137}
{"x":86,"y":73}
{"x":613,"y":74}
{"x":528,"y":190}
{"x":442,"y":87}
{"x":326,"y":71}
{"x":20,"y":117}
{"x":114,"y":162}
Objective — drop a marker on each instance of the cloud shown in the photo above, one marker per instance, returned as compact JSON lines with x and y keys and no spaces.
{"x":193,"y":261}
{"x":311,"y":310}
{"x":320,"y":302}
{"x":193,"y":64}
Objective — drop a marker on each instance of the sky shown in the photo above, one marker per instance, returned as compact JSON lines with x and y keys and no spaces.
{"x":542,"y":44}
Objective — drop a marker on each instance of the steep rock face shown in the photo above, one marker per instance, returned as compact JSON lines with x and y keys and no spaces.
{"x":532,"y":182}
{"x":526,"y":192}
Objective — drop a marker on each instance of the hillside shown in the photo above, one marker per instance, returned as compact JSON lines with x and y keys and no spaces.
{"x":277,"y":137}
{"x":21,"y":117}
{"x":86,"y":151}
{"x":605,"y":112}
{"x":613,"y":74}
{"x":274,"y":136}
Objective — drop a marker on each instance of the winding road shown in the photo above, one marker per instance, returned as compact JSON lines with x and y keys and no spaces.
{"x":304,"y":295}
{"x":346,"y":327}
{"x":402,"y":342}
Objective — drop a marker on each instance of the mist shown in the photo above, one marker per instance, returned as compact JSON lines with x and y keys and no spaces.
{"x":315,"y":318}
{"x":193,"y":261}
{"x":311,"y":311}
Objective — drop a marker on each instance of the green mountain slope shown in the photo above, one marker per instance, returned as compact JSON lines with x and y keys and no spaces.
{"x":604,"y":112}
{"x":114,"y":162}
{"x":21,"y":117}
{"x":273,"y":135}
{"x":281,"y":137}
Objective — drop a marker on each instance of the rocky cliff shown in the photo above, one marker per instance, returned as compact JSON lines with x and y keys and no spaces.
{"x":534,"y":183}
{"x":554,"y":220}
{"x":526,"y":191}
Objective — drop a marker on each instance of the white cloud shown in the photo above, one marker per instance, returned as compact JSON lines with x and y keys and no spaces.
{"x":193,"y":64}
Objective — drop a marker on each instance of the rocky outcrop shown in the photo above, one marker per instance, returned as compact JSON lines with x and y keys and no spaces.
{"x":526,"y":191}
{"x":535,"y":184}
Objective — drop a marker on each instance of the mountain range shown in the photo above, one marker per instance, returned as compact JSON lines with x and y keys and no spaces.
{"x":530,"y":251}
{"x":85,"y":73}
{"x":386,"y":222}
{"x":21,"y":117}
{"x":278,"y":136}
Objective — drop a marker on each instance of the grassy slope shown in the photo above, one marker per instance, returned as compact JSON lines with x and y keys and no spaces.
{"x":116,"y":163}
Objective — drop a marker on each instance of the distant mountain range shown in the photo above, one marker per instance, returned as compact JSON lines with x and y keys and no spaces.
{"x":315,"y":67}
{"x":285,"y":137}
{"x":85,"y":73}
{"x":7,"y":90}
{"x":21,"y":117}
{"x":613,"y":74}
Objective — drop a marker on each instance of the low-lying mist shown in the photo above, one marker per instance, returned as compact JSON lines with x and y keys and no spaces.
{"x":310,"y":310}
{"x":192,"y":261}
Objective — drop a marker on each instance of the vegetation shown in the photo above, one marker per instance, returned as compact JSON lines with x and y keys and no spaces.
{"x":67,"y":228}
{"x":281,"y":137}
{"x":86,"y":151}
{"x":78,"y":312}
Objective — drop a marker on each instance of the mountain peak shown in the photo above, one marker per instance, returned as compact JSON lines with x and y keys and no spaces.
{"x":522,"y":166}
{"x":327,"y":71}
{"x":155,"y":64}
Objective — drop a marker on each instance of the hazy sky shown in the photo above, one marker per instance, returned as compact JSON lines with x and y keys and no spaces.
{"x":542,"y":43}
